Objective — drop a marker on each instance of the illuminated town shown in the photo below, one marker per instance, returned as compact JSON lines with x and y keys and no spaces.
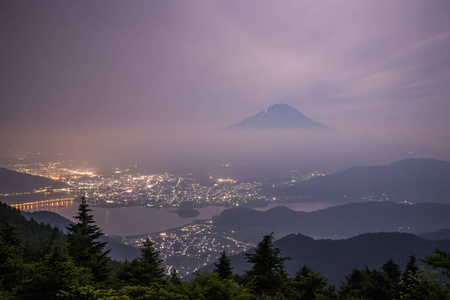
{"x":127,"y":187}
{"x":189,"y":248}
{"x":186,"y":249}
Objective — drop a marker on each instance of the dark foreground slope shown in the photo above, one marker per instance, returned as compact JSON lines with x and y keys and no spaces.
{"x":336,"y":258}
{"x":29,"y":229}
{"x":412,"y":180}
{"x":119,"y":251}
{"x":342,"y":221}
{"x":38,"y":226}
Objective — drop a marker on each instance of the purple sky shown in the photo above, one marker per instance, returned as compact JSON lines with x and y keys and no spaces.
{"x":114,"y":73}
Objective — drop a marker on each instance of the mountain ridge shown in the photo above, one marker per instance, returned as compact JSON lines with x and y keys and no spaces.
{"x":342,"y":221}
{"x":411,"y":180}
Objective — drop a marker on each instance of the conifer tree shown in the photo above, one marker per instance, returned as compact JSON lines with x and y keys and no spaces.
{"x":307,"y":284}
{"x":223,"y":268}
{"x":366,"y":284}
{"x":392,"y":270}
{"x":267,"y":275}
{"x":151,"y":262}
{"x":84,"y":246}
{"x":144,"y":270}
{"x":411,"y":268}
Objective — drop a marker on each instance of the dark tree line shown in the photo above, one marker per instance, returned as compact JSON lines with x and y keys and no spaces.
{"x":77,"y":266}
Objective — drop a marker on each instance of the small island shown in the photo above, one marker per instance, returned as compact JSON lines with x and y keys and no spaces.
{"x":186,"y":213}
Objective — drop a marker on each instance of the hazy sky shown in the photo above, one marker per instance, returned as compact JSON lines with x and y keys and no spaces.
{"x":95,"y":74}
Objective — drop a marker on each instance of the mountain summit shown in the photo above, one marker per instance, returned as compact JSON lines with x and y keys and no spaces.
{"x":277,"y":116}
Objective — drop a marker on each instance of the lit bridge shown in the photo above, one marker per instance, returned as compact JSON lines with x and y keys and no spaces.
{"x":44,"y":203}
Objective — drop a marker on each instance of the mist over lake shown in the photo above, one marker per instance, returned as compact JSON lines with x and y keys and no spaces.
{"x":138,"y":220}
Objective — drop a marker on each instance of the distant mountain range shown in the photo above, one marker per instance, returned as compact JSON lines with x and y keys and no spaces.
{"x":336,"y":258}
{"x":443,"y":234}
{"x":340,"y":221}
{"x":16,"y":182}
{"x":412,"y":180}
{"x":277,"y":116}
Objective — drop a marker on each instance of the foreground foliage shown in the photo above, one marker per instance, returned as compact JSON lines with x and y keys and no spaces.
{"x":77,"y":267}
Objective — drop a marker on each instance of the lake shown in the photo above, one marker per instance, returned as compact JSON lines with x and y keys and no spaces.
{"x":133,"y":220}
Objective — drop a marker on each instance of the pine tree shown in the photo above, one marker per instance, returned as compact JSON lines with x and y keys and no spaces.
{"x":84,"y":246}
{"x":392,"y":270}
{"x":223,"y":268}
{"x":411,"y":268}
{"x":366,"y":284}
{"x":144,"y":270}
{"x":353,"y":283}
{"x":151,"y":262}
{"x":307,"y":284}
{"x":267,"y":275}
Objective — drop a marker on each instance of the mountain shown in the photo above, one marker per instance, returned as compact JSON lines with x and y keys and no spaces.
{"x":341,"y":221}
{"x":277,"y":116}
{"x":336,"y":258}
{"x":443,"y":234}
{"x":16,"y":182}
{"x":411,"y":180}
{"x":48,"y":217}
{"x":119,"y":251}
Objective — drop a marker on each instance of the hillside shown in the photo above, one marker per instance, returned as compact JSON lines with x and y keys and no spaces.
{"x":336,"y":258}
{"x":342,"y":221}
{"x":412,"y":180}
{"x":16,"y":182}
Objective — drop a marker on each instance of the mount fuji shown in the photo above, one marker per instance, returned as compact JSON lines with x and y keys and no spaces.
{"x":277,"y":116}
